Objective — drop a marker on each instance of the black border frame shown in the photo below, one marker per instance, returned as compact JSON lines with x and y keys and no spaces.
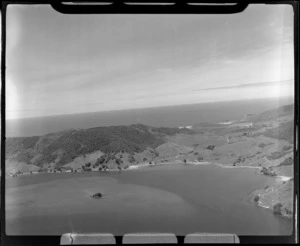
{"x":179,"y":7}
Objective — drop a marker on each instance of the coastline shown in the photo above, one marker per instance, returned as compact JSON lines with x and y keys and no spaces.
{"x":146,"y":165}
{"x":227,"y":166}
{"x":132,"y":167}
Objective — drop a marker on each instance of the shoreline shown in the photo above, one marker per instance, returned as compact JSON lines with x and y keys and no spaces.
{"x":227,"y":166}
{"x":283,"y":178}
{"x":167,"y":163}
{"x":142,"y":166}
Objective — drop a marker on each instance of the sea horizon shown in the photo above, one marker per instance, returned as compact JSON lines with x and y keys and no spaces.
{"x":165,"y":116}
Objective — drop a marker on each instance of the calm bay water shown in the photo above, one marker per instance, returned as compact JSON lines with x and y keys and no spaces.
{"x":172,"y":116}
{"x":174,"y":198}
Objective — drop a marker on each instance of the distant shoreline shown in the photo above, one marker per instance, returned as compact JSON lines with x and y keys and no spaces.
{"x":41,"y":125}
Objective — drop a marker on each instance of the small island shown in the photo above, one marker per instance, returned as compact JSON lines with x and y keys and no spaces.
{"x":96,"y":195}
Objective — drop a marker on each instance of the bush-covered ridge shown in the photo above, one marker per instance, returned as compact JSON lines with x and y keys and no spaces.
{"x":63,"y":147}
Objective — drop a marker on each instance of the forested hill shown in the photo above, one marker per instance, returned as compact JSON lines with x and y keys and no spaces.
{"x":63,"y":147}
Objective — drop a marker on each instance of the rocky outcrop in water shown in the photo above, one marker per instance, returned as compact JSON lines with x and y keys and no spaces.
{"x":97,"y":195}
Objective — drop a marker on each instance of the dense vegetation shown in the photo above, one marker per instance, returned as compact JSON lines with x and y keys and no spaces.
{"x":268,"y":171}
{"x":13,"y":144}
{"x":286,"y":162}
{"x":63,"y":147}
{"x":275,"y":155}
{"x":256,"y":198}
{"x":277,"y":208}
{"x":172,"y":131}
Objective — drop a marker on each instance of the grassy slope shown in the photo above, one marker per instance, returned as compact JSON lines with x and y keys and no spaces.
{"x":273,"y":114}
{"x":280,"y":193}
{"x":283,"y":131}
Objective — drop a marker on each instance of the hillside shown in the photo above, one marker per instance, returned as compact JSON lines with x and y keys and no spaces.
{"x":284,"y":131}
{"x":272,"y":114}
{"x":63,"y":147}
{"x":278,"y":198}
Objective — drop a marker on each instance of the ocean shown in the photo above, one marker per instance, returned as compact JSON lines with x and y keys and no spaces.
{"x":171,"y":116}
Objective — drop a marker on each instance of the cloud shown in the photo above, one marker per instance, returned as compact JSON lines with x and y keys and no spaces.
{"x":78,"y":64}
{"x":259,"y":84}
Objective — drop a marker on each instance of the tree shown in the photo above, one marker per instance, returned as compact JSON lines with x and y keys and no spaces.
{"x":285,"y":148}
{"x":131,"y":159}
{"x":109,"y":157}
{"x":256,"y":198}
{"x":287,"y":161}
{"x":101,"y":159}
{"x":288,"y":211}
{"x":119,"y":161}
{"x":211,"y":147}
{"x":277,"y":208}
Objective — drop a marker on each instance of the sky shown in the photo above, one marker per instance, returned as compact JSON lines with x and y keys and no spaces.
{"x":65,"y":64}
